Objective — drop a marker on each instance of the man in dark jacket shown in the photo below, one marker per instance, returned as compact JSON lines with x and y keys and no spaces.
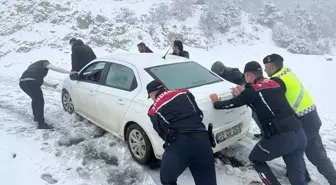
{"x":142,"y":48}
{"x":31,"y":81}
{"x":178,"y":121}
{"x":283,"y":133}
{"x":81,"y":55}
{"x":178,"y":49}
{"x":234,"y":75}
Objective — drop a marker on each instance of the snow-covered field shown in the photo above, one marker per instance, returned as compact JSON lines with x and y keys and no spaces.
{"x":79,"y":153}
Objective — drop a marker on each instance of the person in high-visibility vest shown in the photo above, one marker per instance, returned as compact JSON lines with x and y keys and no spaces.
{"x":305,"y":109}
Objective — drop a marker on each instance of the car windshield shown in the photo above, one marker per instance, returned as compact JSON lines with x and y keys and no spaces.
{"x":183,"y":75}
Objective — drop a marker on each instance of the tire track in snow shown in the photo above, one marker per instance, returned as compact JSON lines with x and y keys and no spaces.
{"x":98,"y":158}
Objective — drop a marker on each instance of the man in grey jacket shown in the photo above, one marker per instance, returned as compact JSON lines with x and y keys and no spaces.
{"x":234,"y":75}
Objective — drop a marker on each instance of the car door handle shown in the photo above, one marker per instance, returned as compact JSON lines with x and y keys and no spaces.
{"x":121,"y":102}
{"x":138,"y":101}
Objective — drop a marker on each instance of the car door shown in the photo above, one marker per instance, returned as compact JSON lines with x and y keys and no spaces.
{"x":115,"y":95}
{"x":84,"y":89}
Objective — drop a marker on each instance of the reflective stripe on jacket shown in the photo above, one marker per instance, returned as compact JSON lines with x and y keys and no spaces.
{"x":297,"y":96}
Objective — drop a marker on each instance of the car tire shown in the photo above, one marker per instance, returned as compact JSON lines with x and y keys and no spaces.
{"x":67,"y":102}
{"x":139,"y":145}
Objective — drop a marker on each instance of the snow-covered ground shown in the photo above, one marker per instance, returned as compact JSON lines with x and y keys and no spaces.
{"x":82,"y":154}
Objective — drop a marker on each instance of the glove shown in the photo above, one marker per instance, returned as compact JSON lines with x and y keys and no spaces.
{"x":211,"y":135}
{"x":218,"y":68}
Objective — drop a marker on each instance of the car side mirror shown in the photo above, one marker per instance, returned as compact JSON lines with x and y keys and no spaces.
{"x":74,"y":76}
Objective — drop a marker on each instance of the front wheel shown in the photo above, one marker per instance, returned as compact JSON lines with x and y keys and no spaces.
{"x":67,"y":102}
{"x":139,"y":145}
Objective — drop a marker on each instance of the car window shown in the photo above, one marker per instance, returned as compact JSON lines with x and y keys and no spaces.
{"x":93,"y":72}
{"x":183,"y":75}
{"x":94,"y":66}
{"x":121,"y":77}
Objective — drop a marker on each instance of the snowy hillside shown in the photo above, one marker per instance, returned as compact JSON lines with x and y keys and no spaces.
{"x":28,"y":24}
{"x":82,"y":154}
{"x":112,"y":24}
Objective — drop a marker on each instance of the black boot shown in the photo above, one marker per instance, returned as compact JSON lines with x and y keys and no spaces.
{"x":308,"y":179}
{"x":45,"y":126}
{"x":155,"y":164}
{"x":265,"y":173}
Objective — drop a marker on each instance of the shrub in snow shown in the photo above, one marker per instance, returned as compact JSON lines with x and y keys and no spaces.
{"x":182,"y":9}
{"x":159,"y":14}
{"x":84,"y":20}
{"x":200,"y":2}
{"x":221,"y":15}
{"x":301,"y":46}
{"x":303,"y":33}
{"x":303,"y":22}
{"x":324,"y":45}
{"x":282,"y":35}
{"x":125,"y":15}
{"x":269,"y":14}
{"x":324,"y":14}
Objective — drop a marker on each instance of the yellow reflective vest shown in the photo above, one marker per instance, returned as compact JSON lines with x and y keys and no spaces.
{"x":297,"y":96}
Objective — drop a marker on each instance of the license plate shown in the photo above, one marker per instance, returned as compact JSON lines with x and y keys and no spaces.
{"x":226,"y":134}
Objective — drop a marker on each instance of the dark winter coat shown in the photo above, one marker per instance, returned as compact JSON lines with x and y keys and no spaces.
{"x":182,"y":54}
{"x":147,"y":50}
{"x":176,"y":109}
{"x":233,"y":75}
{"x":81,"y":55}
{"x":268,"y":100}
{"x":37,"y":71}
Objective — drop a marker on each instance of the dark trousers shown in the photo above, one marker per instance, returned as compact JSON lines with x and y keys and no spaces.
{"x":315,"y":150}
{"x":290,"y":146}
{"x":34,"y":91}
{"x":193,"y":153}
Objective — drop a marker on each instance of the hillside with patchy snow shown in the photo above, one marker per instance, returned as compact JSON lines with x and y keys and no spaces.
{"x":31,"y":24}
{"x":114,"y":25}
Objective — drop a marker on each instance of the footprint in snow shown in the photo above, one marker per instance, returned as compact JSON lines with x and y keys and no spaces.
{"x":48,"y":178}
{"x":82,"y":173}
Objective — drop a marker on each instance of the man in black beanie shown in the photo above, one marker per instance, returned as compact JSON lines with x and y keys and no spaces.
{"x":178,"y":49}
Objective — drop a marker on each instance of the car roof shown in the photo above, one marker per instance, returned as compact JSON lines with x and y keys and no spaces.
{"x":144,"y":60}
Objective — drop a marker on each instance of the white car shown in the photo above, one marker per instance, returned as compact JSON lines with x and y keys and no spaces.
{"x":111,"y":93}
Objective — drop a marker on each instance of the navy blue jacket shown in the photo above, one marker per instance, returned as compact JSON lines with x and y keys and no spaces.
{"x":177,"y":110}
{"x":268,"y":100}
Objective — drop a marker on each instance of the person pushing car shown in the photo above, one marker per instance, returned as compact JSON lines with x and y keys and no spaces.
{"x":283,"y":133}
{"x":178,"y":121}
